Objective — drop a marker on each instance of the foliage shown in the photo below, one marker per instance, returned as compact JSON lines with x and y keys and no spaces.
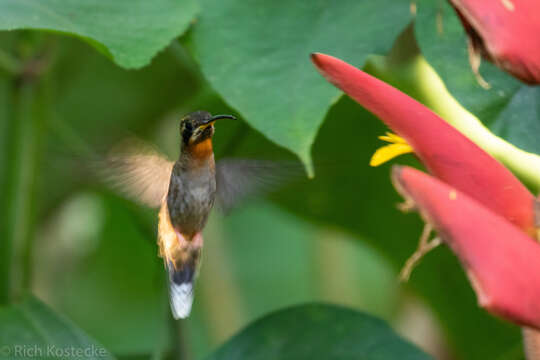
{"x":258,"y":58}
{"x":317,"y":331}
{"x":46,"y":335}
{"x":92,"y":256}
{"x":130,"y":32}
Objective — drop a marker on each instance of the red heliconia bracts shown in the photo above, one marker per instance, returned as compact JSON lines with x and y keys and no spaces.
{"x":501,"y":261}
{"x":506,"y":32}
{"x":446,"y":153}
{"x":479,"y":208}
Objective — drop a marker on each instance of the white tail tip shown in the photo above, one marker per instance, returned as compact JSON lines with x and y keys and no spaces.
{"x":181,"y":298}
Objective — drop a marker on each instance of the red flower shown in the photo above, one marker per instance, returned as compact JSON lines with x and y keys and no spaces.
{"x":478,"y":207}
{"x":502,"y":262}
{"x":506,"y":32}
{"x":446,"y":153}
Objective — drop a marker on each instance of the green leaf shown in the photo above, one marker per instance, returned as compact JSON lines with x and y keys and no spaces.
{"x":317,"y":331}
{"x":31,"y":330}
{"x":508,"y":107}
{"x":519,"y":122}
{"x":257,"y":57}
{"x":130,"y":31}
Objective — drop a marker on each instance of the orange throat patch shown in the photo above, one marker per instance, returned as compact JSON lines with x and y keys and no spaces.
{"x":201,"y":150}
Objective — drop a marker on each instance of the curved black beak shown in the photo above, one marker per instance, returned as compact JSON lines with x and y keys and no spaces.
{"x":214,"y":118}
{"x":217,"y":117}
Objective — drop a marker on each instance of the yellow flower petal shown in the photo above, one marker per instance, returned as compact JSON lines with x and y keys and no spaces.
{"x":392,"y":138}
{"x":388,"y":152}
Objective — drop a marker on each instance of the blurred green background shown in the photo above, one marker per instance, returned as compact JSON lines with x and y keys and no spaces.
{"x":338,"y":238}
{"x":94,"y":256}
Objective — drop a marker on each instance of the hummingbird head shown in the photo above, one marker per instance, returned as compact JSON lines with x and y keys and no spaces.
{"x":198,"y":126}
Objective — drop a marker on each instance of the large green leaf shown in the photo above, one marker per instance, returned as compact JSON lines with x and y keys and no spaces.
{"x":508,"y":107}
{"x":317,"y":331}
{"x":256,"y":55}
{"x":519,"y":122}
{"x":31,"y":330}
{"x":130,"y":31}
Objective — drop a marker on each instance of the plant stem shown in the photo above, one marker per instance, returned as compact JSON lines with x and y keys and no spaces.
{"x":39,"y":115}
{"x":19,"y":191}
{"x":406,"y":69}
{"x":179,"y":342}
{"x":179,"y":351}
{"x":5,"y":244}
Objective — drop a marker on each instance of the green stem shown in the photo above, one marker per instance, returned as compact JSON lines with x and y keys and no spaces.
{"x":406,"y":69}
{"x":178,"y":344}
{"x":180,"y":350}
{"x":21,"y":171}
{"x":39,"y":114}
{"x":5,"y":243}
{"x":21,"y":151}
{"x":161,"y":346}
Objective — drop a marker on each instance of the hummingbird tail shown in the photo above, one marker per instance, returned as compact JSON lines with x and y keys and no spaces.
{"x":181,"y":281}
{"x":182,"y":259}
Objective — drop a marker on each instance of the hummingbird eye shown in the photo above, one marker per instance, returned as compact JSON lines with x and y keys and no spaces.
{"x":186,"y":131}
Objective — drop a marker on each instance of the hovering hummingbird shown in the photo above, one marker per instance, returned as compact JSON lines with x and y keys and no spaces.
{"x":185,"y":191}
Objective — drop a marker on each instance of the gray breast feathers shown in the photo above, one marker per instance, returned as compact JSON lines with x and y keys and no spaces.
{"x":191,"y":197}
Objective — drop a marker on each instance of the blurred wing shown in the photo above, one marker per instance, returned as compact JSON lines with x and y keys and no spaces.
{"x":239,"y":179}
{"x":138,"y":171}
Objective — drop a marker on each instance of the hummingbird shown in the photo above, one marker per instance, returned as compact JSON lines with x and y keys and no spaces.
{"x":185,"y":192}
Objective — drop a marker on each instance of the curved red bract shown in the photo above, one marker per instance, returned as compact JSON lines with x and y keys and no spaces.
{"x":506,"y":32}
{"x":446,"y":153}
{"x":501,"y":261}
